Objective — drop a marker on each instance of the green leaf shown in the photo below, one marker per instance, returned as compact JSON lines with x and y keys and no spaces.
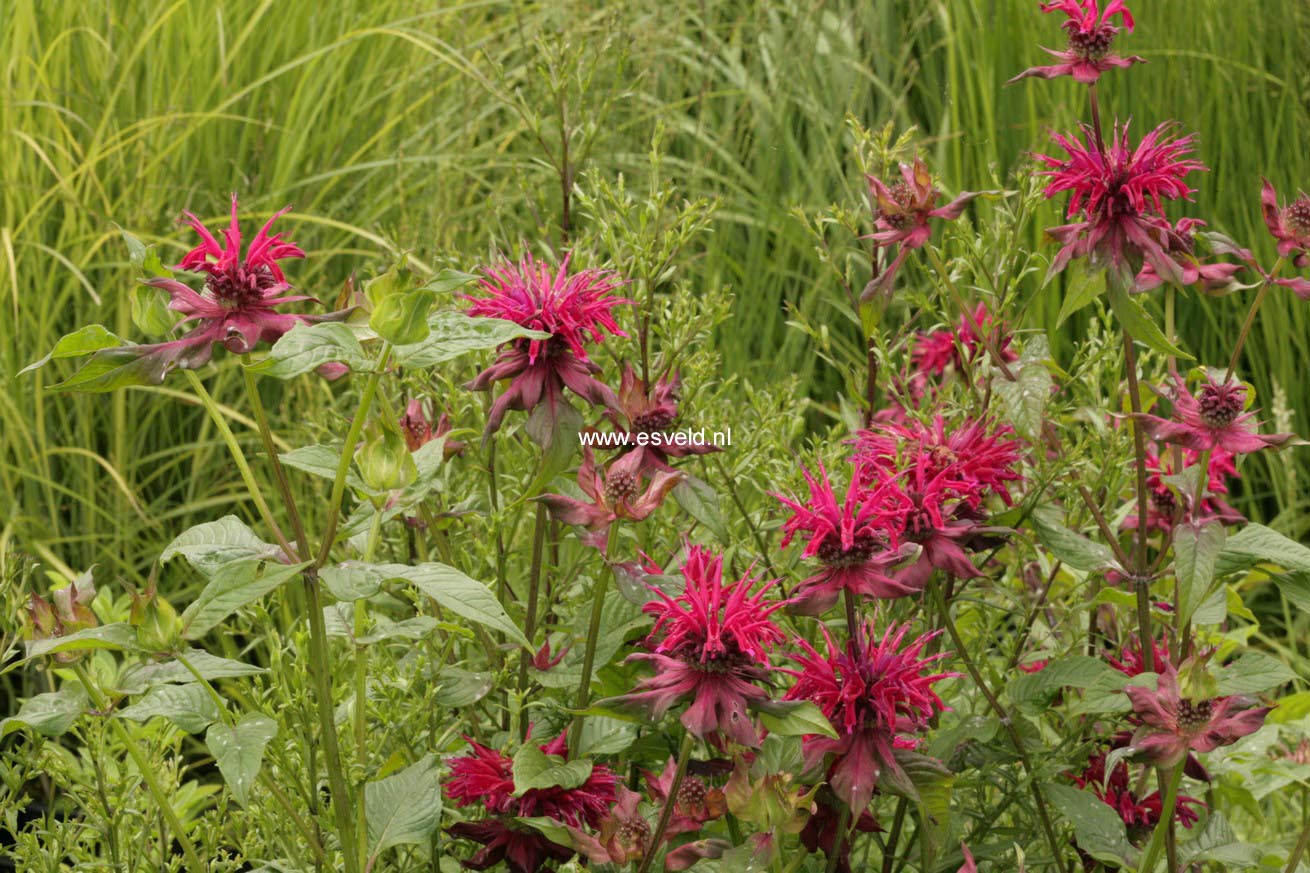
{"x":401,"y":318}
{"x":448,"y":280}
{"x":238,"y":751}
{"x":190,"y":707}
{"x":83,"y":341}
{"x":533,"y":768}
{"x":458,"y":593}
{"x":403,"y":808}
{"x":309,"y":346}
{"x":795,"y":718}
{"x":1196,"y":549}
{"x":118,"y":637}
{"x":699,"y":500}
{"x":457,"y":687}
{"x":150,"y":312}
{"x":114,"y":368}
{"x":557,"y":435}
{"x":145,"y":258}
{"x":1296,"y":588}
{"x":320,"y":461}
{"x":209,"y":666}
{"x":233,"y":586}
{"x":209,"y":546}
{"x":1098,"y":829}
{"x":1070,"y":547}
{"x":1218,"y":845}
{"x":1256,"y":544}
{"x":1032,"y":691}
{"x":351,"y":580}
{"x":1082,"y":288}
{"x":1252,"y":673}
{"x":452,"y":334}
{"x":1025,"y":397}
{"x":48,"y":714}
{"x":1138,"y":322}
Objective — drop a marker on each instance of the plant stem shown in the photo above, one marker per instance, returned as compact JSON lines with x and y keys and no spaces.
{"x":1294,"y":860}
{"x":239,"y":458}
{"x":347,"y":455}
{"x":1250,"y":317}
{"x":540,"y":524}
{"x":670,"y":801}
{"x":593,"y":635}
{"x":361,"y":694}
{"x":894,"y":838}
{"x":279,"y":472}
{"x":987,"y":339}
{"x":193,"y":861}
{"x":1006,"y":720}
{"x":1166,"y":823}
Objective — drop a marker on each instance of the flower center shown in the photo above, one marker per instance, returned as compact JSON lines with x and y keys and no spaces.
{"x":832,"y":554}
{"x":1092,"y":45}
{"x":652,"y":422}
{"x":1297,"y":217}
{"x":620,"y":486}
{"x":1220,"y":404}
{"x":1193,"y":714}
{"x":240,"y":285}
{"x":691,"y":797}
{"x":902,"y":194}
{"x":633,"y":834}
{"x":1164,"y":500}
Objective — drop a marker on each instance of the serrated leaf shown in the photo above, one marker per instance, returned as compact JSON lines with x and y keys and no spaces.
{"x":1070,"y":547}
{"x":458,"y":593}
{"x":188,"y":706}
{"x":1256,"y":544}
{"x":448,"y":280}
{"x":238,"y":751}
{"x":457,"y":687}
{"x":83,"y":341}
{"x":403,"y":808}
{"x":209,"y":666}
{"x":307,"y":347}
{"x":351,"y":580}
{"x":112,"y":368}
{"x":233,"y":586}
{"x":699,"y":500}
{"x":209,"y":546}
{"x":48,"y":714}
{"x":1098,"y":829}
{"x":1196,"y":549}
{"x":452,"y":334}
{"x":1082,"y":288}
{"x":534,"y":769}
{"x":1138,"y":322}
{"x":795,"y":718}
{"x":1252,"y":673}
{"x":119,"y":637}
{"x":320,"y":461}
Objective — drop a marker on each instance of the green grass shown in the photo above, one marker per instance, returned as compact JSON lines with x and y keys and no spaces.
{"x":382,"y":122}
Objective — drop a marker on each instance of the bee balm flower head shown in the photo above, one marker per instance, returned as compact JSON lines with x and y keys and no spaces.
{"x":1091,"y":36}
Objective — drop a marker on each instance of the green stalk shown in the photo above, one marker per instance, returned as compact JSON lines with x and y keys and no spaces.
{"x":670,"y":801}
{"x":361,"y":693}
{"x":1250,"y":317}
{"x":530,"y":619}
{"x":1166,"y":823}
{"x":1294,"y":860}
{"x":593,"y":634}
{"x":193,"y":861}
{"x":1007,"y":721}
{"x":270,"y":449}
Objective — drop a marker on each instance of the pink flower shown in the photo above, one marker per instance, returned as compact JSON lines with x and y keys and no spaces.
{"x":855,"y":540}
{"x":969,"y":865}
{"x":695,"y":804}
{"x":938,"y":350}
{"x":1091,"y":36}
{"x":646,"y":413}
{"x":574,"y":308}
{"x":621,"y":491}
{"x":820,"y":832}
{"x":1118,"y":198}
{"x":1139,"y":814}
{"x":1290,"y":225}
{"x":1164,"y":508}
{"x":904,"y":211}
{"x":1211,"y":419}
{"x":877,"y":696}
{"x":238,"y":307}
{"x":709,"y":647}
{"x":418,"y":428}
{"x":1173,"y":726}
{"x":1215,"y":278}
{"x":485,"y":778}
{"x":624,"y":834}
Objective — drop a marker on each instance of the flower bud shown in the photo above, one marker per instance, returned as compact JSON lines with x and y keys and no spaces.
{"x":384,"y":461}
{"x":158,"y":628}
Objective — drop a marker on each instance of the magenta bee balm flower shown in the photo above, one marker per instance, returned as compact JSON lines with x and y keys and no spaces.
{"x":1173,"y":726}
{"x":1091,"y":37}
{"x":904,"y":211}
{"x":877,"y":696}
{"x":710,"y":648}
{"x":1212,"y":418}
{"x":1289,"y":225}
{"x":855,"y":539}
{"x":575,"y":308}
{"x":1117,"y":198}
